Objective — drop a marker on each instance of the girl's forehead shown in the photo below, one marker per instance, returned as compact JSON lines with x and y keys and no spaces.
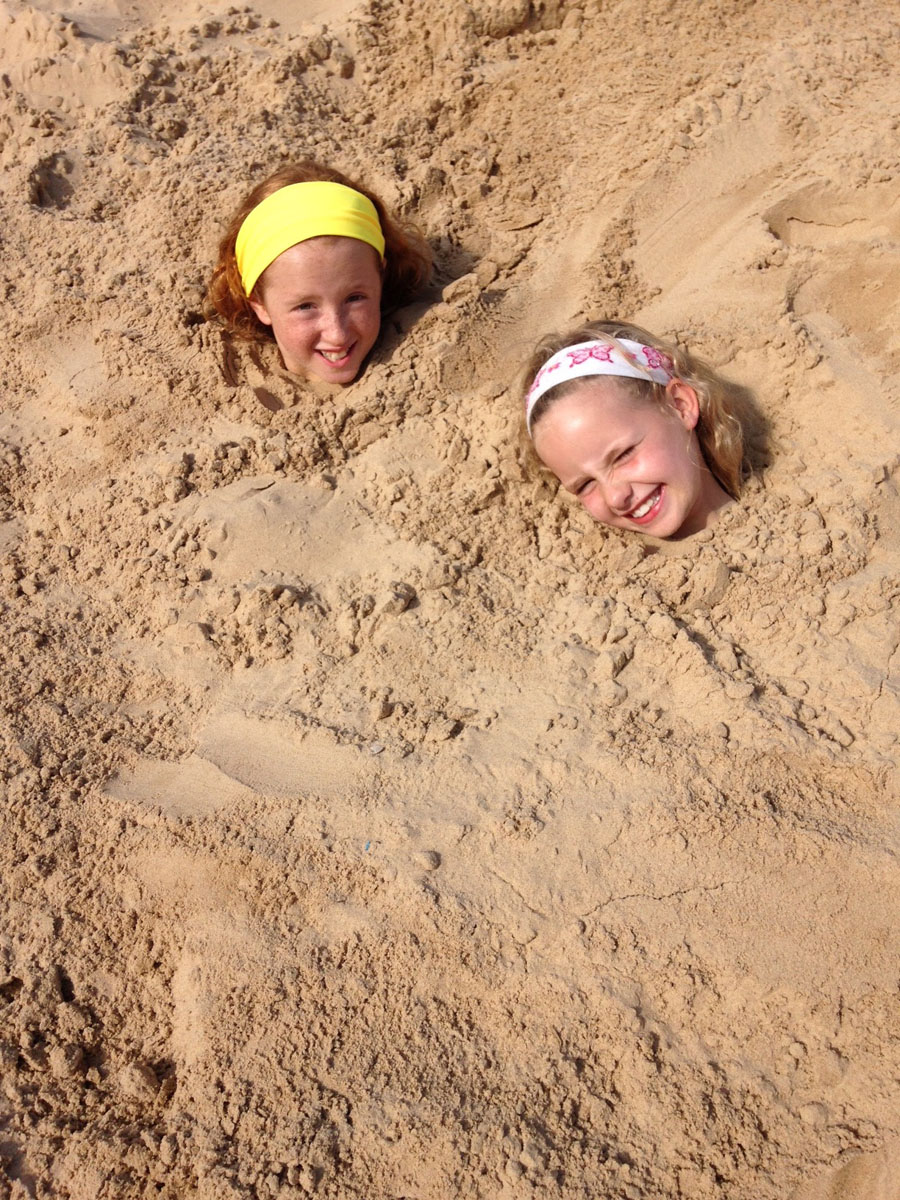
{"x":608,"y":388}
{"x":600,"y":410}
{"x":323,"y":261}
{"x":604,"y":399}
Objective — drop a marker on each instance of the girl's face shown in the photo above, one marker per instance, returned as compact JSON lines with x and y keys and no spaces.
{"x":632,"y":464}
{"x":322,"y":299}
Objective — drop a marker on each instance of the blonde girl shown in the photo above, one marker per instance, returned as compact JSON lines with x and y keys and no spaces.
{"x":647,"y":436}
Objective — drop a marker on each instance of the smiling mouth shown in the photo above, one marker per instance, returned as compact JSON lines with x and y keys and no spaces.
{"x":336,"y":356}
{"x":648,"y":508}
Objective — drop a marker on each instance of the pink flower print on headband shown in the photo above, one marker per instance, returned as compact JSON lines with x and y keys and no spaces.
{"x":598,"y":351}
{"x":547,"y":369}
{"x":658,"y":359}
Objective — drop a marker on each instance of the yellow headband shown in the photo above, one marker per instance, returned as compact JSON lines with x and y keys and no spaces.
{"x":296,"y":213}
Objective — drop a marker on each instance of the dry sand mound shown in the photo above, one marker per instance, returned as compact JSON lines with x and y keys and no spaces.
{"x":374,"y":825}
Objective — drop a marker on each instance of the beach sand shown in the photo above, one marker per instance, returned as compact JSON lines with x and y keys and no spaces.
{"x":375,"y":825}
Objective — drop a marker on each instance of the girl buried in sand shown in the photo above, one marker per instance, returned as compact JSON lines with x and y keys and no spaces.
{"x":312,"y":259}
{"x":644,"y":434}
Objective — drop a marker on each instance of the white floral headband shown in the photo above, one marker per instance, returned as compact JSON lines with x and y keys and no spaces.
{"x":617,"y":356}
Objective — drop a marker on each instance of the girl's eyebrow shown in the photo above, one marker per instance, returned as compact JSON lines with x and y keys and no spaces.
{"x":298,"y":296}
{"x":577,"y":483}
{"x":619,"y":447}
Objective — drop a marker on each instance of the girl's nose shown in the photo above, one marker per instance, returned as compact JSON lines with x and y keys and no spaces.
{"x":618,"y":493}
{"x":334,"y":328}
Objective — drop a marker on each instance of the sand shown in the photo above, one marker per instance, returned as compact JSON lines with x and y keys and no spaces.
{"x":375,"y":825}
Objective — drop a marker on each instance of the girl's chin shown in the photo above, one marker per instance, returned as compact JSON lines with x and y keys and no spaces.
{"x":321,"y":371}
{"x":345,"y":376}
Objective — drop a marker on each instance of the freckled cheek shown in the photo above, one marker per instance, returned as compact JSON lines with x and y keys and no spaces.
{"x":295,"y":326}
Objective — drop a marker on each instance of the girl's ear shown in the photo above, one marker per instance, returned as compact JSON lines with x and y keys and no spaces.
{"x":684,"y":401}
{"x":261,"y":311}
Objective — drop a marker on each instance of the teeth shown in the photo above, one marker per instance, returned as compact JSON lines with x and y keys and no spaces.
{"x":643,"y":509}
{"x":333,"y":355}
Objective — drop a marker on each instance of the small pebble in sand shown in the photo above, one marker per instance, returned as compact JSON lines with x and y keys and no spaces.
{"x":401,"y":597}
